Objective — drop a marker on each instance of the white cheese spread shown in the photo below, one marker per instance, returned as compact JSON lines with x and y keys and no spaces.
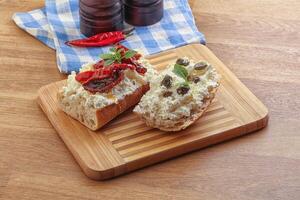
{"x":75,"y":94}
{"x":164,"y":106}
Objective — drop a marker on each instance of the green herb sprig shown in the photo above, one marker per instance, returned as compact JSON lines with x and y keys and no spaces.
{"x":182,"y":72}
{"x":116,"y":57}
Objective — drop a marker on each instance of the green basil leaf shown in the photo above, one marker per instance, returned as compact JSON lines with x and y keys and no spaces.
{"x":119,"y":50}
{"x":113,"y":49}
{"x":184,"y":84}
{"x":180,"y":71}
{"x":118,"y":57}
{"x":129,"y":54}
{"x":108,"y":62}
{"x":107,"y":56}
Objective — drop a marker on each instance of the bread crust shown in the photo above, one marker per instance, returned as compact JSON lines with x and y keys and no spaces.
{"x":106,"y":114}
{"x":184,"y":122}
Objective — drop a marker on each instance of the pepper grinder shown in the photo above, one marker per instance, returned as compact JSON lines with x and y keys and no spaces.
{"x":143,"y":12}
{"x":97,"y":16}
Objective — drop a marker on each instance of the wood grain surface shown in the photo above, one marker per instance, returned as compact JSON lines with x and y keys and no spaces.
{"x":258,"y":40}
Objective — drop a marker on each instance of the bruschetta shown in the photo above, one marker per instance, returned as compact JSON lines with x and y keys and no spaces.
{"x":179,"y":95}
{"x":103,"y":90}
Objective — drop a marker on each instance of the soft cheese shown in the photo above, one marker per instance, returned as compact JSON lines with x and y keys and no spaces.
{"x":160,"y":110}
{"x":74,"y":92}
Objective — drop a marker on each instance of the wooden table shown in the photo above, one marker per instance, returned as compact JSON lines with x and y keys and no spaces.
{"x":258,"y":40}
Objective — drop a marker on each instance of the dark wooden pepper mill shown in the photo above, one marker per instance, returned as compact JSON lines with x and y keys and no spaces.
{"x":143,"y":12}
{"x":97,"y":16}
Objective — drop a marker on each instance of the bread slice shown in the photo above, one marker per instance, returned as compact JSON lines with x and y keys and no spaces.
{"x":94,"y":110}
{"x":179,"y":95}
{"x":97,"y":118}
{"x":184,"y":122}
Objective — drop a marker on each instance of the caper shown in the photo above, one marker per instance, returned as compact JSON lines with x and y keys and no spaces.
{"x":200,"y":65}
{"x":167,"y":94}
{"x":167,"y":81}
{"x":183,"y":61}
{"x":182,"y":90}
{"x":196,"y":79}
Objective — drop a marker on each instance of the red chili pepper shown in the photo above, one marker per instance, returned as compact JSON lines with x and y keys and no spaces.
{"x":99,"y":40}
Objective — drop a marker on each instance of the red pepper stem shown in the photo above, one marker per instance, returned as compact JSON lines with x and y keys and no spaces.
{"x":127,"y":35}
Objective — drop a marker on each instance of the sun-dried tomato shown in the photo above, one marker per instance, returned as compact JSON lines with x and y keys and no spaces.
{"x":104,"y":78}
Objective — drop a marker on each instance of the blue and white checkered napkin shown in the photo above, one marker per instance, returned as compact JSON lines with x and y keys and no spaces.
{"x":59,"y":22}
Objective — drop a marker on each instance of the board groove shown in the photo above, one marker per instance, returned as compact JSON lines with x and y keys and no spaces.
{"x":168,"y":137}
{"x":126,"y":144}
{"x":137,"y":137}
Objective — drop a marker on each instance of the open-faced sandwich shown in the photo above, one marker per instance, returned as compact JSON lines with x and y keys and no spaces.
{"x":179,"y":95}
{"x":103,"y":90}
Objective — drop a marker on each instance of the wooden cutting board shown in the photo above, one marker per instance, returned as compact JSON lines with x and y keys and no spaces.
{"x":126,"y":144}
